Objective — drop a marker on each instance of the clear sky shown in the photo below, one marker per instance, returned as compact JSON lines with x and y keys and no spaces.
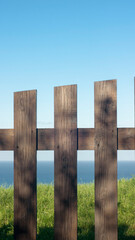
{"x":47,"y":43}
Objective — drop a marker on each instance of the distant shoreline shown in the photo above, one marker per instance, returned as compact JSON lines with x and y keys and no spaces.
{"x":45,"y":171}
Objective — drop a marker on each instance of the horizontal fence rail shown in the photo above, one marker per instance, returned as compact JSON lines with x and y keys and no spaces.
{"x":85,"y":139}
{"x":65,"y":139}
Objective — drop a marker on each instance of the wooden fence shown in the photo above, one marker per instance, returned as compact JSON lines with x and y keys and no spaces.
{"x":65,"y":139}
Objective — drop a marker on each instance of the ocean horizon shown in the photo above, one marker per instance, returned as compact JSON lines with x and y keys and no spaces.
{"x":45,"y":171}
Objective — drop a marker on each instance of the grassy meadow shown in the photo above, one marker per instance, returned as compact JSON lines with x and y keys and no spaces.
{"x":45,"y":211}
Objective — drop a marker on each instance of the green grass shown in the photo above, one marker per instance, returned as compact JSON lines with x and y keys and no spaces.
{"x":45,"y":213}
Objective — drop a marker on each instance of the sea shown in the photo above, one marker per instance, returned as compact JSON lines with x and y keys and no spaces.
{"x":45,"y":171}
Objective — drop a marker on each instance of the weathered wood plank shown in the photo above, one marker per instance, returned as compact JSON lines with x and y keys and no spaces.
{"x":25,"y":166}
{"x":86,"y":138}
{"x":6,"y":139}
{"x":45,"y":139}
{"x":65,"y":163}
{"x":105,"y":160}
{"x":126,"y":138}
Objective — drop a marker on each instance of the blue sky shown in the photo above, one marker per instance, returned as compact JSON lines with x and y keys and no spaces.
{"x":51,"y":43}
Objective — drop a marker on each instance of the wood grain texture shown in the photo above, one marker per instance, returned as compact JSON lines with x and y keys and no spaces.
{"x":85,"y":139}
{"x":6,"y":139}
{"x":105,"y":160}
{"x":65,"y":163}
{"x":25,"y":166}
{"x":45,"y":139}
{"x":126,"y":138}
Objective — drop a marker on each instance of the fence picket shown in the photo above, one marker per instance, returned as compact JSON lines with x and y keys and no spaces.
{"x":105,"y":160}
{"x":25,"y":203}
{"x":65,"y":162}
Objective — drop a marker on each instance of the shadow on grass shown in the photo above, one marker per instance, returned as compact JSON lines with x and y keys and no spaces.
{"x":5,"y":232}
{"x":47,"y":233}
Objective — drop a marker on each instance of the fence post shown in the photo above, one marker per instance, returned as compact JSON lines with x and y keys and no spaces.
{"x":25,"y":166}
{"x":105,"y":160}
{"x":65,"y":162}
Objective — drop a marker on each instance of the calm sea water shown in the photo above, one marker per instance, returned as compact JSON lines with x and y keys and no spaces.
{"x":45,"y":171}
